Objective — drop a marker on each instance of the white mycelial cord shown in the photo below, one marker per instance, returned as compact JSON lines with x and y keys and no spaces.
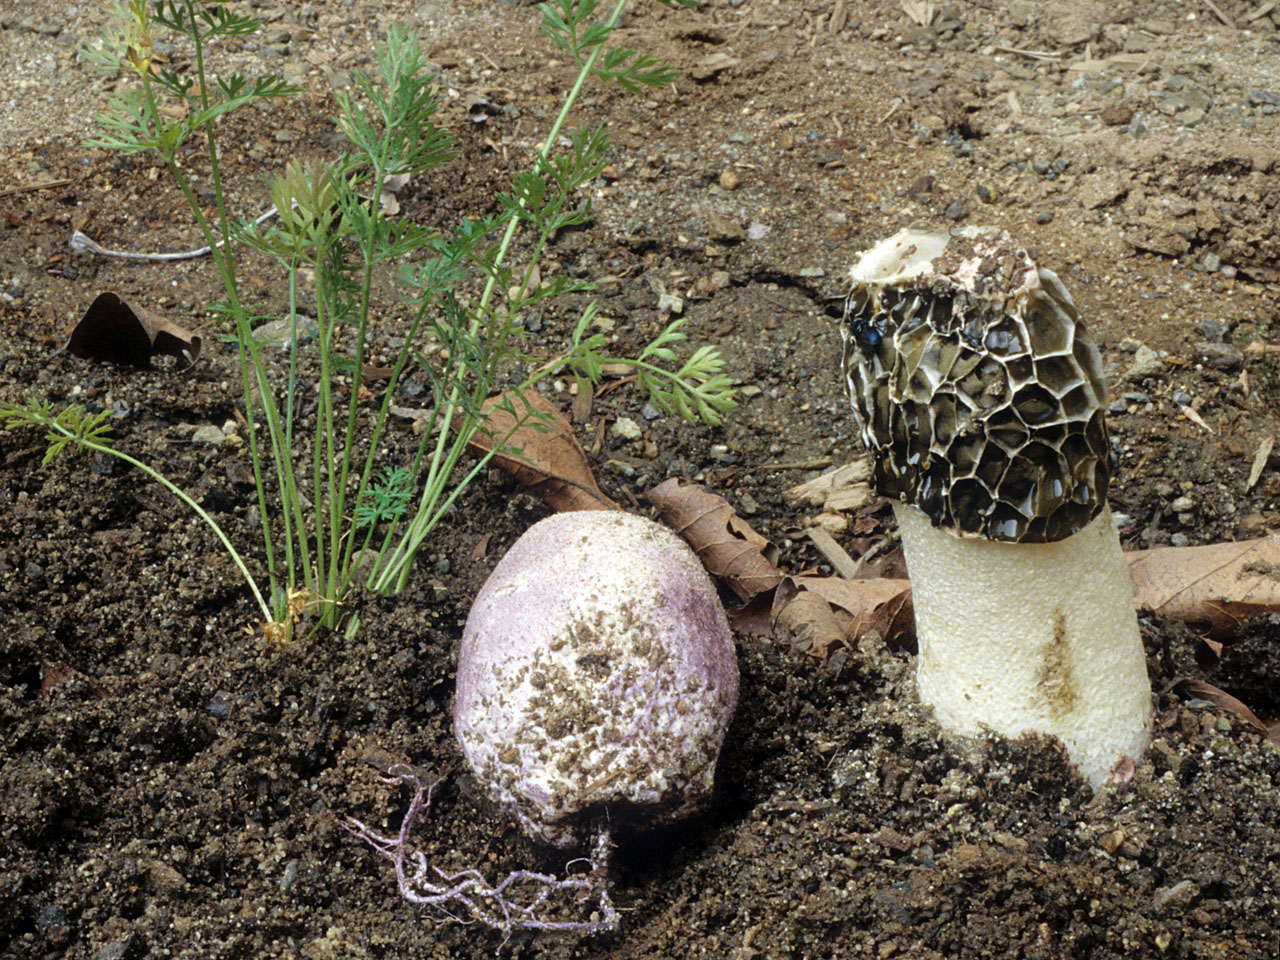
{"x":82,"y":243}
{"x":467,"y":897}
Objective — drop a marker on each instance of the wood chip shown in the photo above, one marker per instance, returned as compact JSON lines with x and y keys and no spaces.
{"x":30,"y":187}
{"x":839,"y":17}
{"x":921,"y":12}
{"x":840,"y":561}
{"x":1262,"y":11}
{"x":845,"y":488}
{"x":1217,"y":11}
{"x":1259,"y":462}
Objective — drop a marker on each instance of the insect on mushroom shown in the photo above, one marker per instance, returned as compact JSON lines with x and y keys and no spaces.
{"x":981,"y":397}
{"x":596,"y":681}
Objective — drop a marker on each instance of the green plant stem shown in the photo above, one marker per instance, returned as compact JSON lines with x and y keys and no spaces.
{"x":177,"y":492}
{"x":430,"y":509}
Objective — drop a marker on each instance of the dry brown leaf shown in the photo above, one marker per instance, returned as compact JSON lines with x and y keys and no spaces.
{"x":861,"y":606}
{"x":115,"y":330}
{"x":541,"y":453}
{"x":723,"y":541}
{"x":810,"y":624}
{"x":1220,"y":585}
{"x":1220,"y":698}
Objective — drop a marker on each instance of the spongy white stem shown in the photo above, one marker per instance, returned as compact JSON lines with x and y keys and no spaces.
{"x":1037,"y":637}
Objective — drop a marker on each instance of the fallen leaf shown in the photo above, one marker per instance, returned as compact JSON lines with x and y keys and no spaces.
{"x":1220,"y":585}
{"x":810,"y":624}
{"x":1220,"y":698}
{"x":860,"y":606}
{"x":540,"y":453}
{"x":115,"y":330}
{"x":723,"y":541}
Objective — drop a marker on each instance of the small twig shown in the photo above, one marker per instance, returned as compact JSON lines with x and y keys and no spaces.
{"x":817,"y":464}
{"x":1220,"y":15}
{"x":892,"y":111}
{"x":1262,"y":11}
{"x":784,"y":306}
{"x":32,"y":187}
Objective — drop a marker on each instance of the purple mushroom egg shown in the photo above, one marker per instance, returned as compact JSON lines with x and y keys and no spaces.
{"x":597,"y":676}
{"x":596,"y":680}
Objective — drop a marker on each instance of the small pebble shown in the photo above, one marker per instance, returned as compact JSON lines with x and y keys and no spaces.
{"x":1219,"y":356}
{"x":208,"y":434}
{"x":957,"y":209}
{"x":220,"y":706}
{"x":1146,"y":363}
{"x":626,"y":429}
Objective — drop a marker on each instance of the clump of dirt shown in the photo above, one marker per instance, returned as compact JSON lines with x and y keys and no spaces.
{"x":170,"y":787}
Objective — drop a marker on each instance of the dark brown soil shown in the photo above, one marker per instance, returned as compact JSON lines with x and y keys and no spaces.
{"x":169,"y":787}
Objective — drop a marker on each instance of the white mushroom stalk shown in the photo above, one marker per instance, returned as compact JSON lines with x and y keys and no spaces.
{"x":981,"y":397}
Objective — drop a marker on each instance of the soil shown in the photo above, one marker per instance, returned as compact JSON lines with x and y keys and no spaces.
{"x":170,"y":787}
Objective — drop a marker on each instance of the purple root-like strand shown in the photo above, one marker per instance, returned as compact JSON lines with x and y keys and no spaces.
{"x":467,"y":897}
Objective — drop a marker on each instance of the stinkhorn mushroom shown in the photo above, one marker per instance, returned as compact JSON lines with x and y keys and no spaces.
{"x":596,"y":680}
{"x":981,"y":397}
{"x":597,"y":676}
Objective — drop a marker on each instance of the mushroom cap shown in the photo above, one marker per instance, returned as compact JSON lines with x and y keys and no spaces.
{"x":975,"y":386}
{"x":597,"y":670}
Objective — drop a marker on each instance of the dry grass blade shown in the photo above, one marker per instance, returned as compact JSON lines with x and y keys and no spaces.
{"x":542,"y":454}
{"x":1259,"y":462}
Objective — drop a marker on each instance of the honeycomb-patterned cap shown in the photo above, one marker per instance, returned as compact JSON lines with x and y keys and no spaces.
{"x":975,"y":386}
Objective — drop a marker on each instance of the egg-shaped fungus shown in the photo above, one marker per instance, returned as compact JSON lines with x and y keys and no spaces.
{"x":596,"y":681}
{"x":597,"y":670}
